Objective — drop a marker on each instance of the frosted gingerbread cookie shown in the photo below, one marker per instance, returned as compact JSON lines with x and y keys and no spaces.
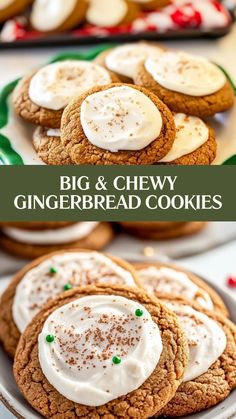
{"x":125,"y":59}
{"x":195,"y":142}
{"x":48,"y":145}
{"x":57,"y":15}
{"x":162,"y":278}
{"x":152,"y":4}
{"x":156,"y":230}
{"x":211,"y":372}
{"x":107,"y":13}
{"x":28,"y":243}
{"x":117,"y":124}
{"x":186,"y":83}
{"x":48,"y":276}
{"x":41,"y":97}
{"x":101,"y":352}
{"x":11,"y":8}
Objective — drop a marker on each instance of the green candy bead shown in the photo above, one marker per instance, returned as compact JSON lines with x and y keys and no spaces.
{"x":50,"y":338}
{"x":116,"y":360}
{"x":53,"y":270}
{"x":67,"y":287}
{"x":139,"y":312}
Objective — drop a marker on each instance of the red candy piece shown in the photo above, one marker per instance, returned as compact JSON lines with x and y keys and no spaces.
{"x":187,"y":17}
{"x":231,"y":281}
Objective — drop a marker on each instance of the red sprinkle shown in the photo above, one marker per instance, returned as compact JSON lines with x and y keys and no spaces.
{"x":231,"y":281}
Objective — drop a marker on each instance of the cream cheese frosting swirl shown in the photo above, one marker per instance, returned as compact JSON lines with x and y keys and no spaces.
{"x":126,"y":58}
{"x":106,"y":12}
{"x":169,"y":281}
{"x":55,"y":85}
{"x":120,"y":118}
{"x":59,"y":272}
{"x":206,"y":339}
{"x":185,"y":73}
{"x":5,"y":3}
{"x":191,"y":133}
{"x":101,"y":349}
{"x":53,"y":132}
{"x":48,"y":15}
{"x":62,"y":235}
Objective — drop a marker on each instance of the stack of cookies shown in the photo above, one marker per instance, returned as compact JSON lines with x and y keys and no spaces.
{"x":93,"y":336}
{"x":136,"y":104}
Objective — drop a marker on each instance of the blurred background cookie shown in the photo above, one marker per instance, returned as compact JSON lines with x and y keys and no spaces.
{"x":156,"y":230}
{"x":152,"y":4}
{"x":108,"y":13}
{"x":10,"y":8}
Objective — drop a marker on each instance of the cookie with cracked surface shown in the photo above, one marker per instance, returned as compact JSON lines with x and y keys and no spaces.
{"x":104,"y":13}
{"x":123,"y":60}
{"x":170,"y":279}
{"x":34,"y":243}
{"x":195,"y":142}
{"x":11,"y":8}
{"x":152,"y":4}
{"x":151,"y":231}
{"x":211,"y":372}
{"x":46,"y":277}
{"x":118,"y":124}
{"x":41,"y":97}
{"x":47,"y":143}
{"x":55,"y":16}
{"x":144,"y":329}
{"x":186,"y":83}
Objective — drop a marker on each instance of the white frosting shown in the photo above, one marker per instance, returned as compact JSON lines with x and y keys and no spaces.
{"x":126,"y":58}
{"x":76,"y":268}
{"x":206,"y":339}
{"x":169,"y":281}
{"x":48,"y":15}
{"x":53,"y":132}
{"x":185,"y":73}
{"x":88,"y":333}
{"x":191,"y":133}
{"x":120,"y":118}
{"x":106,"y":12}
{"x":62,"y":235}
{"x":55,"y":85}
{"x":5,"y":3}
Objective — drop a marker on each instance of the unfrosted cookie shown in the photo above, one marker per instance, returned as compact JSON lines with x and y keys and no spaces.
{"x":151,"y":229}
{"x":117,"y":124}
{"x":107,"y":13}
{"x":128,"y":361}
{"x":48,"y":276}
{"x":152,"y":4}
{"x":186,"y":83}
{"x":48,"y":145}
{"x":211,"y":372}
{"x":41,"y":97}
{"x":11,"y":8}
{"x":31,"y":244}
{"x":170,"y":279}
{"x":57,"y":15}
{"x":124,"y":60}
{"x":195,"y":142}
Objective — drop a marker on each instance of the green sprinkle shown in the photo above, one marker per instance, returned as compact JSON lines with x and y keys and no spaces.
{"x":49,"y":338}
{"x":116,"y":360}
{"x":67,"y":287}
{"x":53,"y":270}
{"x":139,"y":312}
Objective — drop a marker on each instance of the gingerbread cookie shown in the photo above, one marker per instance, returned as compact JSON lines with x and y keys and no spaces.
{"x":30,"y":244}
{"x":107,"y":13}
{"x":101,"y":352}
{"x":47,"y":143}
{"x":165,"y":278}
{"x":195,"y":142}
{"x":186,"y":83}
{"x":152,"y":4}
{"x":125,"y":59}
{"x":41,"y":97}
{"x":151,"y":229}
{"x":211,"y":372}
{"x":48,"y":276}
{"x":117,"y":124}
{"x":11,"y":8}
{"x":57,"y":15}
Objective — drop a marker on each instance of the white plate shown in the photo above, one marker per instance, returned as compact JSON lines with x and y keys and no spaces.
{"x":14,"y":401}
